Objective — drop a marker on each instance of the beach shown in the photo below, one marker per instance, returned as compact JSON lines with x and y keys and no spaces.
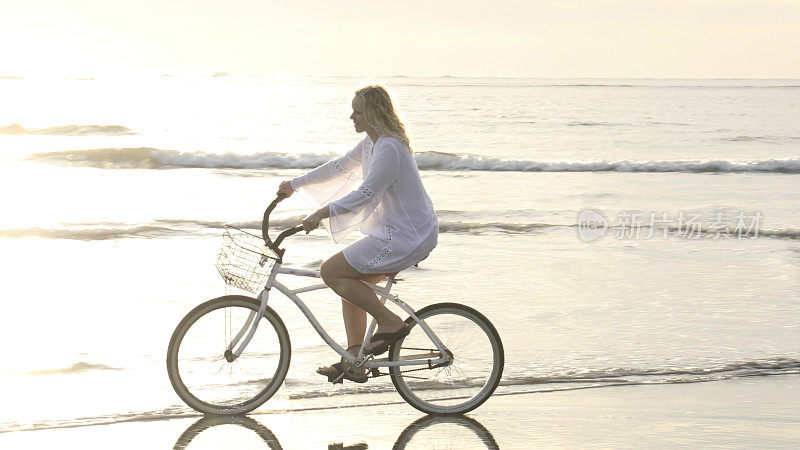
{"x":743,"y":413}
{"x":670,"y":318}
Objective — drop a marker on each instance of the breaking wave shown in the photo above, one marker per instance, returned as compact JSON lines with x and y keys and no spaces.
{"x":79,"y":367}
{"x":594,"y":124}
{"x":283,"y":222}
{"x":765,"y":139}
{"x":189,"y":227}
{"x":449,"y":161}
{"x":175,"y":412}
{"x":454,"y":226}
{"x":68,"y":130}
{"x":723,"y":371}
{"x":164,"y":228}
{"x":89,"y":233}
{"x":152,"y":158}
{"x":606,"y":376}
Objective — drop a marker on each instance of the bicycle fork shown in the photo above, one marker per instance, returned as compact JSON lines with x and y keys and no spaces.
{"x":250,"y":323}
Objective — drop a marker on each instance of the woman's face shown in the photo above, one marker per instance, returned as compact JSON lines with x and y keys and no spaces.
{"x":358,"y":114}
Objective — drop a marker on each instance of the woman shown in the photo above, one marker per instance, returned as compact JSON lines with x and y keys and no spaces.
{"x":392,"y":209}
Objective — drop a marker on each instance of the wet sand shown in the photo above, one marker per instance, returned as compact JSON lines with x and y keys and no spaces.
{"x":741,"y":413}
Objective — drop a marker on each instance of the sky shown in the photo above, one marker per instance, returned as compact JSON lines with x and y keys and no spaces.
{"x":516,"y":38}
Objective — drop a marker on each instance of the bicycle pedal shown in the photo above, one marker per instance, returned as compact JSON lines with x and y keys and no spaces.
{"x":375,"y":372}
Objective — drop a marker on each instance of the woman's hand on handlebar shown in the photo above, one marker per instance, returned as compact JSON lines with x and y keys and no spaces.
{"x":312,"y":222}
{"x":285,"y":189}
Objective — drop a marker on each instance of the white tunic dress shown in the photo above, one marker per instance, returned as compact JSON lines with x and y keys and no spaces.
{"x":390,"y":205}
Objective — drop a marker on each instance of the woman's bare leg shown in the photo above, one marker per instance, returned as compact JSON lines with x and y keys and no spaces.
{"x":355,"y":318}
{"x":337,"y":274}
{"x":355,"y":324}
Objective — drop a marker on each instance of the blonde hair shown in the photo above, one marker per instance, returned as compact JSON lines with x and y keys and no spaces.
{"x":380,"y":114}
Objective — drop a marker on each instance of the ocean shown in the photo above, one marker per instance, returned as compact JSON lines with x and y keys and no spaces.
{"x":615,"y":231}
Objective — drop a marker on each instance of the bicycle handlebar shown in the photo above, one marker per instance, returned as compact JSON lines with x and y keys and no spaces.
{"x":284,"y":234}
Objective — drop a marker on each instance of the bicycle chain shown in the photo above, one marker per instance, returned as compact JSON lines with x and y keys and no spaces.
{"x":433,"y":366}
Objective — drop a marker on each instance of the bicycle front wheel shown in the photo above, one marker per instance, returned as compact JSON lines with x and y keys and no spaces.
{"x":198,"y":368}
{"x":472,"y":375}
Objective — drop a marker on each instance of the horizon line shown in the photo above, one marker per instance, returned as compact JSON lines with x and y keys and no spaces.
{"x":211,"y":74}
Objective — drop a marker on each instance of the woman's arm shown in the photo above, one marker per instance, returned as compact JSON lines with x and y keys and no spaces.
{"x":352,"y":209}
{"x":348,"y":163}
{"x":382,"y":173}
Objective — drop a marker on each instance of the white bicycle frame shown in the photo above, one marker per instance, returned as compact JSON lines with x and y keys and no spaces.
{"x":423,"y":359}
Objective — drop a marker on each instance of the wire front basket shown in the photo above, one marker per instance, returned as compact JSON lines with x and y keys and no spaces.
{"x":244,"y":261}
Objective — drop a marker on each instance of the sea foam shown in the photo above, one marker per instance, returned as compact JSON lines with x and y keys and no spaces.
{"x":68,"y":130}
{"x":153,"y":158}
{"x":166,"y":228}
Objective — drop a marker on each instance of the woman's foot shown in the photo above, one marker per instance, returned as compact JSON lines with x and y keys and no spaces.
{"x":338,"y":372}
{"x":334,"y":370}
{"x":386,"y":336}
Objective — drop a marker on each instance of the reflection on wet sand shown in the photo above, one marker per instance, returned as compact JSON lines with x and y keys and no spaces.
{"x":340,"y":446}
{"x":425,"y":432}
{"x":436,"y":431}
{"x":212,"y":421}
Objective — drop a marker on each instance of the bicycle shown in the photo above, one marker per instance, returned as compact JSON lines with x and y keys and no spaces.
{"x":450,"y":371}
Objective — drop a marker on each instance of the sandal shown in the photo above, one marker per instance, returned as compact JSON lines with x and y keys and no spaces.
{"x":389,"y":339}
{"x":343,"y":370}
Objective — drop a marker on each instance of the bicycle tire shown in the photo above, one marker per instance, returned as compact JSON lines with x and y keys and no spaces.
{"x":233,"y":390}
{"x":476,"y":347}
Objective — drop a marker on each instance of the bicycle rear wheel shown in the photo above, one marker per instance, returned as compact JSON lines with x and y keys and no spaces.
{"x":471,"y":377}
{"x":202,"y":376}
